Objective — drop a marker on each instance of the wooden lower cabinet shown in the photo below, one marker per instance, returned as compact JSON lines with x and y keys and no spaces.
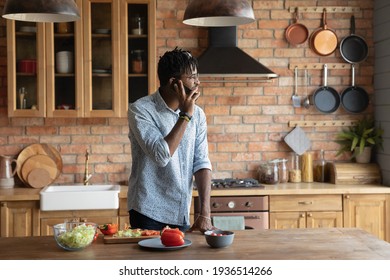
{"x":123,"y":218}
{"x":288,"y":220}
{"x":370,"y":212}
{"x":305,"y":211}
{"x":19,"y":218}
{"x":100,"y":217}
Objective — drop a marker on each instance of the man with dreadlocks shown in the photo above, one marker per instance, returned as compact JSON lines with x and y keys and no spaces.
{"x":168,"y":136}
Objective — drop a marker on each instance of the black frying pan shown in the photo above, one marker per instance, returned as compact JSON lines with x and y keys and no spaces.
{"x":326,"y":99}
{"x":354,"y":99}
{"x":353,"y":48}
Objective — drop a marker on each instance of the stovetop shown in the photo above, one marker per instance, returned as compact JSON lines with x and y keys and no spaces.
{"x":231,"y":183}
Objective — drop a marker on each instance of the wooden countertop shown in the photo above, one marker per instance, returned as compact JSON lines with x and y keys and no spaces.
{"x":290,"y":244}
{"x":23,"y":193}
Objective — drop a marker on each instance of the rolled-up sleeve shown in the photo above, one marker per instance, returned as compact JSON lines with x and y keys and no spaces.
{"x":201,"y":155}
{"x":147,"y":135}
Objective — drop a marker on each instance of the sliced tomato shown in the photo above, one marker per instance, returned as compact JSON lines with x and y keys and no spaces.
{"x":149,"y":232}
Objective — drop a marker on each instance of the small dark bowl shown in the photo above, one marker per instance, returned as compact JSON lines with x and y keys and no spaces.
{"x":215,"y":241}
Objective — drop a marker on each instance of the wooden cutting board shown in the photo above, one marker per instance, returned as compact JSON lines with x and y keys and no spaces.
{"x":40,"y":162}
{"x":38,"y":149}
{"x":39,"y":178}
{"x":109,"y":239}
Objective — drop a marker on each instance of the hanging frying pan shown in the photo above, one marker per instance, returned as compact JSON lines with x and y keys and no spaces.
{"x":326,"y":99}
{"x":353,"y":48}
{"x":323,"y":41}
{"x":296,"y":33}
{"x":354,"y":99}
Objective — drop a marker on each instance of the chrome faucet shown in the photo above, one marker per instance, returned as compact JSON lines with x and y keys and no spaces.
{"x":87,"y":176}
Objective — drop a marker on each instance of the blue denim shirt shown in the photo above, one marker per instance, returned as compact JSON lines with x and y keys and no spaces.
{"x":160,"y":186}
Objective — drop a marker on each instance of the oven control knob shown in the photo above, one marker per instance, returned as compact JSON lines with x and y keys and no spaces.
{"x":231,"y":204}
{"x":216,"y":205}
{"x":249,"y":204}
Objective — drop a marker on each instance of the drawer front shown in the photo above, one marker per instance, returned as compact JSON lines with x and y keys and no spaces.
{"x":306,"y":203}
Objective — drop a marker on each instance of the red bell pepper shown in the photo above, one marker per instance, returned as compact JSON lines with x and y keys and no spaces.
{"x":109,"y":229}
{"x":172,"y":237}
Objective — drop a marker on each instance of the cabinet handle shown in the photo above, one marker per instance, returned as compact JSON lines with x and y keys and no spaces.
{"x":4,"y":204}
{"x":302,"y":215}
{"x":305,"y":202}
{"x":310,"y":215}
{"x":347,"y":196}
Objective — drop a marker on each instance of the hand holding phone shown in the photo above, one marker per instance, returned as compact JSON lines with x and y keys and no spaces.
{"x":186,"y":89}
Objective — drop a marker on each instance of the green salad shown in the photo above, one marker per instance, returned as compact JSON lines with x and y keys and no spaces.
{"x":78,"y":237}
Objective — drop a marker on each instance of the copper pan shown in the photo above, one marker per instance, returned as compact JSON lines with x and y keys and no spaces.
{"x":296,"y":33}
{"x":323,"y":41}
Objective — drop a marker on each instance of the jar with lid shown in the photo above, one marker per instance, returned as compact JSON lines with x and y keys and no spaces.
{"x":269,"y":173}
{"x":319,"y":171}
{"x":137,"y":61}
{"x":137,"y":27}
{"x":294,"y":173}
{"x":283,"y":174}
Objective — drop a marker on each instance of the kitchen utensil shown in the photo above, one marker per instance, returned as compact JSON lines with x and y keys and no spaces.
{"x":296,"y":100}
{"x":6,"y":170}
{"x":38,"y":149}
{"x":297,"y":140}
{"x":296,"y":33}
{"x":353,"y":48}
{"x":354,"y":99}
{"x":7,"y":183}
{"x":219,"y":238}
{"x":28,"y":66}
{"x":40,"y":162}
{"x":74,"y":236}
{"x":306,"y":101}
{"x":110,"y":239}
{"x":326,"y":99}
{"x":155,"y":244}
{"x":323,"y":41}
{"x":39,"y":178}
{"x":64,"y":62}
{"x":319,"y":170}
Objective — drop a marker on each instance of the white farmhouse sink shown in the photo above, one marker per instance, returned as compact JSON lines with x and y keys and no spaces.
{"x":79,"y":197}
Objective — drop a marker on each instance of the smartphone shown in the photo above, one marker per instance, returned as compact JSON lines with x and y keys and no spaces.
{"x":186,"y":89}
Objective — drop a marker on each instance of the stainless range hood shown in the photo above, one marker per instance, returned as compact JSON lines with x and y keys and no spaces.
{"x":224,"y":59}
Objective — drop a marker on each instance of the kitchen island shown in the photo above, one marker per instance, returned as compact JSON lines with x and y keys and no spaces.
{"x":289,"y":244}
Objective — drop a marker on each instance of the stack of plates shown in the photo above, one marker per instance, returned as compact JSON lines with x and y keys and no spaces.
{"x":39,"y":165}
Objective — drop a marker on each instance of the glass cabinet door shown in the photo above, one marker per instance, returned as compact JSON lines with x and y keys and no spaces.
{"x":101,"y":50}
{"x":26,"y":72}
{"x":137,"y":49}
{"x":65,"y":68}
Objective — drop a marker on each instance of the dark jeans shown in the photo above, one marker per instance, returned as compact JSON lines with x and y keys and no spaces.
{"x":137,"y":220}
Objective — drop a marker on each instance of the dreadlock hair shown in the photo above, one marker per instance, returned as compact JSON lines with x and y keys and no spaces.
{"x":174,"y":64}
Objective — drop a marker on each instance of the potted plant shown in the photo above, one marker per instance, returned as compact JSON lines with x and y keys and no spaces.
{"x":359,"y":140}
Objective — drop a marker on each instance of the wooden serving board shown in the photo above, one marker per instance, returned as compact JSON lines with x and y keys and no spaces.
{"x":109,"y":239}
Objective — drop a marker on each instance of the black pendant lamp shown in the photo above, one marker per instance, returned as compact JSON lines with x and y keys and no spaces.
{"x":41,"y":10}
{"x":218,"y":13}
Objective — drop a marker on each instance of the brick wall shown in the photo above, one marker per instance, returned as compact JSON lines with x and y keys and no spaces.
{"x":247,"y":121}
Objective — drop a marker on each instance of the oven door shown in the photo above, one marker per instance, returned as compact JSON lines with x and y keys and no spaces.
{"x":253,"y":220}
